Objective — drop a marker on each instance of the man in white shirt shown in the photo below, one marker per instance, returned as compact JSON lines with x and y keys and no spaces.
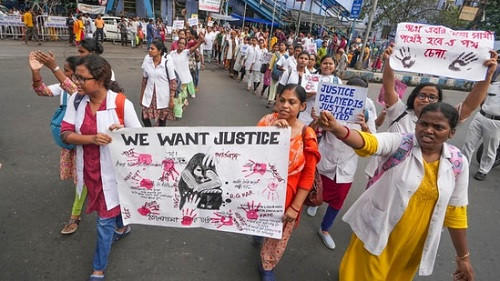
{"x":134,"y":30}
{"x":252,"y":60}
{"x":208,"y":45}
{"x":290,"y":63}
{"x":485,"y":126}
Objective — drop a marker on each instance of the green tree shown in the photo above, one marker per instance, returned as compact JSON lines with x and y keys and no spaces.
{"x":449,"y":18}
{"x":491,"y":20}
{"x":392,"y":12}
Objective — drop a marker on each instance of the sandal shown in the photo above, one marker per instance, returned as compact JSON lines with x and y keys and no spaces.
{"x":96,"y":277}
{"x":67,"y":229}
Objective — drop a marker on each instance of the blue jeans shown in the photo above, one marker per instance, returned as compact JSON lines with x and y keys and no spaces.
{"x":105,"y":230}
{"x":196,"y":77}
{"x":149,"y":42}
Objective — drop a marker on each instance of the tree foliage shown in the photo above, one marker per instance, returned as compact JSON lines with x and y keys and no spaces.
{"x":492,"y":18}
{"x":449,"y":18}
{"x":392,"y":12}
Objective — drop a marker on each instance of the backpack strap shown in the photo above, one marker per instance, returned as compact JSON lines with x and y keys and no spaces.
{"x":456,"y":160}
{"x":399,"y":117}
{"x":65,"y":98}
{"x":78,"y":99}
{"x":120,"y":107}
{"x":397,"y":157}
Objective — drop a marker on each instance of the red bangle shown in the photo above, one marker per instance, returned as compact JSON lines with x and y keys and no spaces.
{"x":35,"y":81}
{"x":347,"y":135}
{"x":291,"y":206}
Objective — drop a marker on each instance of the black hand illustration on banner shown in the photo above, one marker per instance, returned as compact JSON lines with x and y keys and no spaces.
{"x":462,"y":60}
{"x":200,"y":177}
{"x":406,"y":58}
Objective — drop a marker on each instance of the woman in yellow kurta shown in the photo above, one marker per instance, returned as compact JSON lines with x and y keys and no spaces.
{"x":78,"y":29}
{"x":397,"y":221}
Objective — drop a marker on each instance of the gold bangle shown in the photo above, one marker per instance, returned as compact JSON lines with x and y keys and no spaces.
{"x":464,"y":256}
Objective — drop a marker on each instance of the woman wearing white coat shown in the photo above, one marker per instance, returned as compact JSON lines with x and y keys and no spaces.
{"x":252,"y":64}
{"x":86,"y":128}
{"x":421,"y":187}
{"x":158,"y":88}
{"x":337,"y":167}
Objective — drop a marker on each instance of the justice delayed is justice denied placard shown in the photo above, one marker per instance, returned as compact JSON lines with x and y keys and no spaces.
{"x":222,"y":178}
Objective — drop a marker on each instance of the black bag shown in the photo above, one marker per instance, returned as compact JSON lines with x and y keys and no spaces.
{"x":276,"y":73}
{"x":264,"y":67}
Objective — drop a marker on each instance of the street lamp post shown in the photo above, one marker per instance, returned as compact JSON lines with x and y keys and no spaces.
{"x":300,"y":14}
{"x":359,"y":63}
{"x":272,"y":25}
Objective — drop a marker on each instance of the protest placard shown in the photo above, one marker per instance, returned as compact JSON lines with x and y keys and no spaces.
{"x":400,"y":88}
{"x":229,"y":178}
{"x":209,"y":5}
{"x":310,"y":82}
{"x":210,"y":23}
{"x":266,"y":57}
{"x":310,"y":48}
{"x":193,"y":21}
{"x":178,"y":24}
{"x":344,"y":102}
{"x":169,"y":29}
{"x":441,"y":51}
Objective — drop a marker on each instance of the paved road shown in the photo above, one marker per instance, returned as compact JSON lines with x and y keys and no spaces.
{"x":34,"y":203}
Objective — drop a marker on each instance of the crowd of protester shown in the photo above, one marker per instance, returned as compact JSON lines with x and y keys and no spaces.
{"x":392,"y":236}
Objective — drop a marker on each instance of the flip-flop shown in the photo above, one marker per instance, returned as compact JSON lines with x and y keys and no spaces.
{"x":68,"y":224}
{"x":118,"y":236}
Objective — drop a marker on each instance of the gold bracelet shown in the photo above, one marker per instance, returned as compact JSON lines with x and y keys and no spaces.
{"x":464,"y":256}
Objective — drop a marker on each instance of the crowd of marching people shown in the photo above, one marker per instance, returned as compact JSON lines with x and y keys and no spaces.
{"x":396,"y":222}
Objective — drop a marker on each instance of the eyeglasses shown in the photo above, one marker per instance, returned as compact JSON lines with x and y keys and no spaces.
{"x":430,"y":98}
{"x":80,"y":79}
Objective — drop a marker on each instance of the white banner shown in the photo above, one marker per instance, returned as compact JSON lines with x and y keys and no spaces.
{"x":11,"y":20}
{"x":229,"y":178}
{"x":209,"y":5}
{"x":53,"y":21}
{"x":441,"y":51}
{"x":344,"y":102}
{"x":178,"y":24}
{"x":91,"y":9}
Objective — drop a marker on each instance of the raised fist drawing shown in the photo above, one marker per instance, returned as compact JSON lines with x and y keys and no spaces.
{"x":405,"y":57}
{"x":462,"y":60}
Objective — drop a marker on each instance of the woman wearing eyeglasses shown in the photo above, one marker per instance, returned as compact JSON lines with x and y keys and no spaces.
{"x":86,"y":127}
{"x":403,"y":117}
{"x":63,"y":75}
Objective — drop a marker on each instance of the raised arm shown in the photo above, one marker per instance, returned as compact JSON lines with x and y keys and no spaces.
{"x":478,"y":93}
{"x":388,"y":79}
{"x":201,"y":39}
{"x":49,"y":61}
